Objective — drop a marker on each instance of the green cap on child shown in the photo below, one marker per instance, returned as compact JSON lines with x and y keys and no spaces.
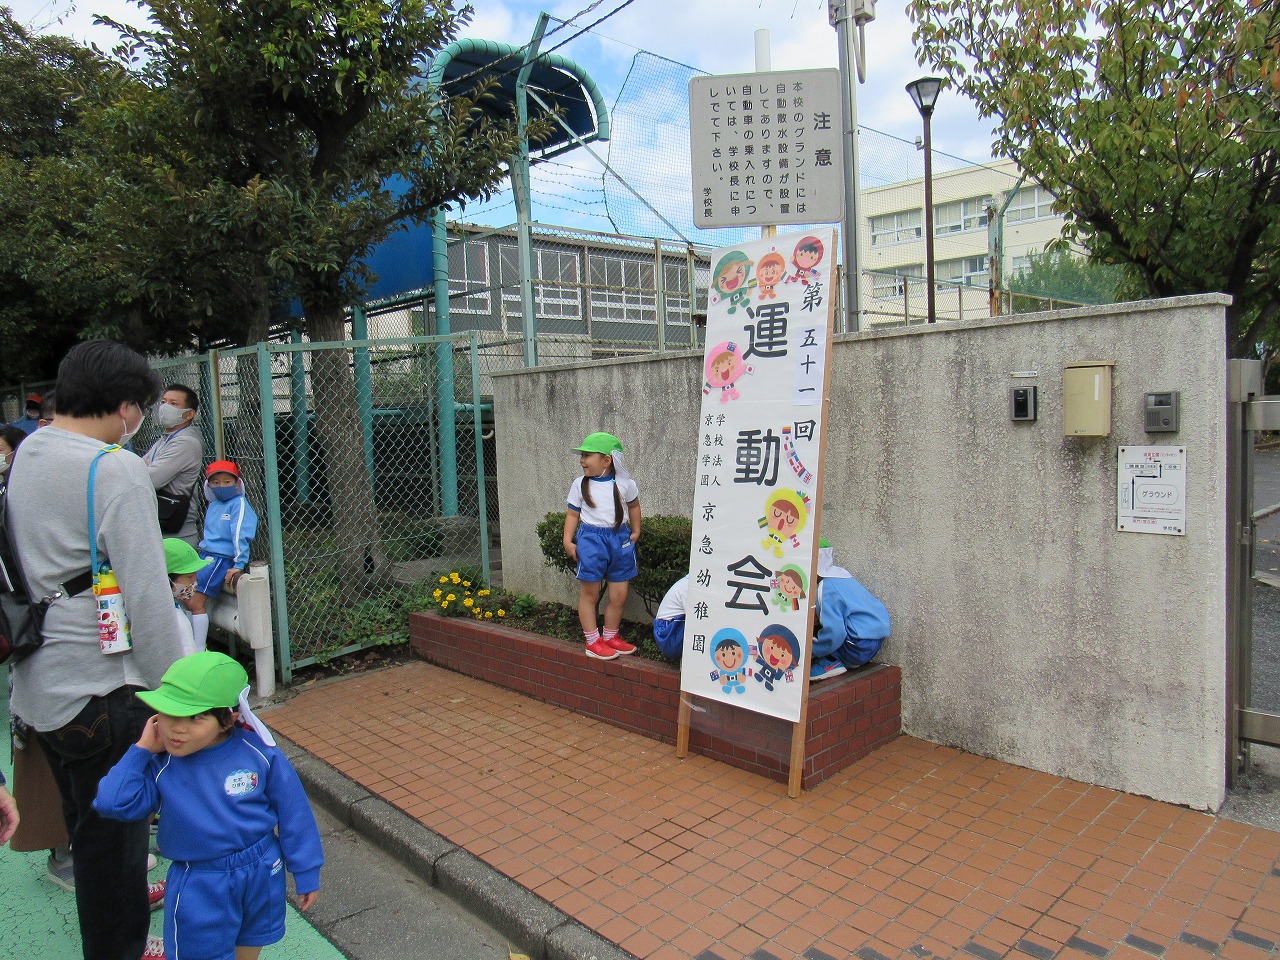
{"x":196,"y":684}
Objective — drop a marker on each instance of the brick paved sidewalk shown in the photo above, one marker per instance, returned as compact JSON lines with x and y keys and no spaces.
{"x":916,"y":849}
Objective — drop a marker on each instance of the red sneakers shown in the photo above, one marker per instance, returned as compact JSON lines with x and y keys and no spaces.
{"x":155,"y":895}
{"x":617,"y":643}
{"x":600,"y":650}
{"x":154,"y":949}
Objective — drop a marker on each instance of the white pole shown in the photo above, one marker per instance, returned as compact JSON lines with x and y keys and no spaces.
{"x":763,"y":64}
{"x":846,"y":34}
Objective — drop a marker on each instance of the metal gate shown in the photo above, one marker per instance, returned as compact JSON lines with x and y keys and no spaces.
{"x":1249,"y":413}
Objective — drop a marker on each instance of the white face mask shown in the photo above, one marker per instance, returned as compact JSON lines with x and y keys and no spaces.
{"x":128,"y":434}
{"x":171,"y":416}
{"x":4,"y":464}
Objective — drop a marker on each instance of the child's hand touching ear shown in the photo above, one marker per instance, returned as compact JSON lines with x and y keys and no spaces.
{"x":150,"y":739}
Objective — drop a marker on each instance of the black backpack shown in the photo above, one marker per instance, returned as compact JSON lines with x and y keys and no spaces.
{"x":21,"y":619}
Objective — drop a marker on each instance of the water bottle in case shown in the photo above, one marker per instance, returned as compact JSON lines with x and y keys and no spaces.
{"x":113,"y":622}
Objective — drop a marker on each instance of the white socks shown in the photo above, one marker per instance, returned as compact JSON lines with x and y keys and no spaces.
{"x":200,"y":629}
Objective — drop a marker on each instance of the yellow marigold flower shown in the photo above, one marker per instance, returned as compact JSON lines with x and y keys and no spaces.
{"x":444,"y":579}
{"x":455,"y":578}
{"x":468,"y":602}
{"x":437,"y":593}
{"x":488,"y":614}
{"x":484,"y":593}
{"x":502,"y":613}
{"x":451,"y":597}
{"x":466,"y":583}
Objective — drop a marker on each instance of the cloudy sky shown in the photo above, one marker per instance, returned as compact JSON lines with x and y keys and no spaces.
{"x":715,"y":36}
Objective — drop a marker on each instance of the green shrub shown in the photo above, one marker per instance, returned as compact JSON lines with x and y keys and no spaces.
{"x":662,"y":552}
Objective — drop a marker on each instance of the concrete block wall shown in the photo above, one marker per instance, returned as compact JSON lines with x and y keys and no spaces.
{"x":1027,"y":628}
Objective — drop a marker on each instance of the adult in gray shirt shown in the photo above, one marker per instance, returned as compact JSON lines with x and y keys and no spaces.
{"x":176,"y":460}
{"x":79,"y":700}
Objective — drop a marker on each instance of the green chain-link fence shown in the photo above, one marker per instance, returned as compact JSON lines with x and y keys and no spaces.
{"x":370,"y":465}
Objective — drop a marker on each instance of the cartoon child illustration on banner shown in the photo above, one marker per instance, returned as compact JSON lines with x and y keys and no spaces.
{"x":770,"y":271}
{"x":732,"y":280}
{"x":777,"y":651}
{"x":785,"y":513}
{"x":788,"y":587}
{"x":724,"y":368}
{"x":729,"y":653}
{"x":805,"y":258}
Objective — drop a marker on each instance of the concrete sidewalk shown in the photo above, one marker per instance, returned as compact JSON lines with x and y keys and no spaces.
{"x":578,"y":840}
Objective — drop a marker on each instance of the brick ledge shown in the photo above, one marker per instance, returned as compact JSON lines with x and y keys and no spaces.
{"x":849,"y":716}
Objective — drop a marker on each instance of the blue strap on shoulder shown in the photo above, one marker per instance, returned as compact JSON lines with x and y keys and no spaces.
{"x":93,"y":533}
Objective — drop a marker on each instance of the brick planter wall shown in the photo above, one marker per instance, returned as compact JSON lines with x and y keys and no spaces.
{"x":849,"y":716}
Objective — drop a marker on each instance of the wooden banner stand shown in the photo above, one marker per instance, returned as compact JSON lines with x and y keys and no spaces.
{"x":795,"y":772}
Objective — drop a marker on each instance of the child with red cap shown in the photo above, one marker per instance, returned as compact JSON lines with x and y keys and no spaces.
{"x":229,"y":526}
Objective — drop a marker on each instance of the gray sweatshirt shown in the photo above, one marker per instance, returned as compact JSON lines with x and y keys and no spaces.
{"x":175,"y":462}
{"x":48,"y":514}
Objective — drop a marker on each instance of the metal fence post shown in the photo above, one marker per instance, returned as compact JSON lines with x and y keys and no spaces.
{"x":660,"y":293}
{"x":477,"y":414}
{"x":364,"y":388}
{"x":301,"y":418}
{"x":275,"y":528}
{"x":215,"y":374}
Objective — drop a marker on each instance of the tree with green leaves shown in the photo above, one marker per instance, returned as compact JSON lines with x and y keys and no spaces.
{"x":316,"y":109}
{"x":49,"y":296}
{"x":1062,"y":275}
{"x":1156,"y":124}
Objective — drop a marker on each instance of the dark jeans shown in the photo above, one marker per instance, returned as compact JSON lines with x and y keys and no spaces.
{"x":110,"y":855}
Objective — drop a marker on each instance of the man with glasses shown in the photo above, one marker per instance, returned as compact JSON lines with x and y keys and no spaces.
{"x":79,"y":699}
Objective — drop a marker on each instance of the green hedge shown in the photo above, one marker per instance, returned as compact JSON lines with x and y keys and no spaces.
{"x":662,"y":552}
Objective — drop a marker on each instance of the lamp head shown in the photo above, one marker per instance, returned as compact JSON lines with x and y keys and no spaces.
{"x":924,"y":92}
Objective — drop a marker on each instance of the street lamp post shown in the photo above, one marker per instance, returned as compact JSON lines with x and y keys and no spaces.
{"x":924,"y":92}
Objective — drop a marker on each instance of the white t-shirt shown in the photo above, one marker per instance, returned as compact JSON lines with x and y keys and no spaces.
{"x":602,"y":514}
{"x":673,"y":601}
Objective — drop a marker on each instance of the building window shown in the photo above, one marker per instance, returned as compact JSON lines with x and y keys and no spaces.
{"x":960,"y":216}
{"x":890,"y":283}
{"x":559,"y":295}
{"x":1031,"y":203}
{"x":970,"y":271}
{"x":469,"y":277}
{"x":622,"y":289}
{"x":897,"y":227}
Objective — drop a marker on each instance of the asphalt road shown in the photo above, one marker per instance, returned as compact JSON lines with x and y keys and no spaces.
{"x":372,"y":908}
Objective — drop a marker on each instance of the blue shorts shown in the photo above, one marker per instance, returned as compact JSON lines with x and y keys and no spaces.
{"x":213,"y":906}
{"x":669,"y":636}
{"x":605,"y":554}
{"x":209,"y":580}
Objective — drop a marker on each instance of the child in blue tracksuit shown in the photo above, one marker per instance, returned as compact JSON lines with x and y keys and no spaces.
{"x":225,"y":791}
{"x":851,"y":623}
{"x":229,"y":526}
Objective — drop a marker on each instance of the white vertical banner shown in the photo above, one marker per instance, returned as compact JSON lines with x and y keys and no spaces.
{"x":758,"y":483}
